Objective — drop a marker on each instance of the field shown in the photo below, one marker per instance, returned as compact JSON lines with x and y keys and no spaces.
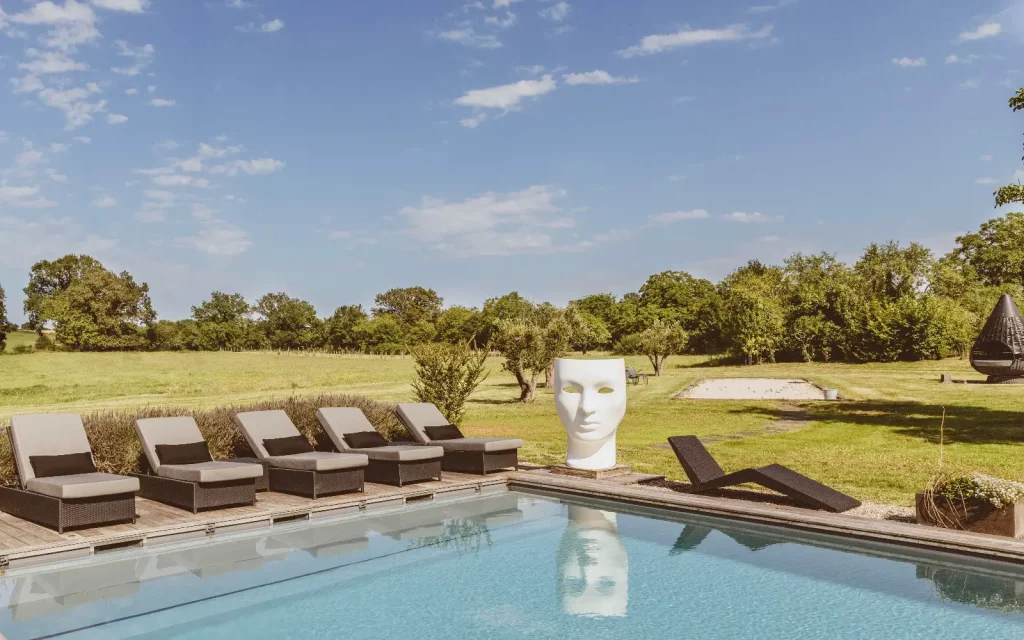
{"x":881,"y":443}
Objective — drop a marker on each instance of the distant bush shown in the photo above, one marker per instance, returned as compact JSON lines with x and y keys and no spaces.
{"x":22,"y":349}
{"x":446,"y":375}
{"x":116,"y":447}
{"x":44,"y":343}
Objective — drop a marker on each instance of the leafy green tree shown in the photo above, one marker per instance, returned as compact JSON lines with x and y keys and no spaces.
{"x":342,"y":329}
{"x":754,"y":308}
{"x":447,"y":374}
{"x":890,"y":272}
{"x":823,"y":307}
{"x":460,"y":325}
{"x":177,"y":335}
{"x":600,"y":305}
{"x":1014,"y":192}
{"x":658,"y":341}
{"x":409,"y":305}
{"x":530,"y":337}
{"x":382,"y":334}
{"x":994,"y":255}
{"x":225,"y":321}
{"x":510,"y":306}
{"x":288,"y":323}
{"x":98,"y":311}
{"x":3,"y":319}
{"x":692,"y":303}
{"x":590,"y":332}
{"x":48,"y":278}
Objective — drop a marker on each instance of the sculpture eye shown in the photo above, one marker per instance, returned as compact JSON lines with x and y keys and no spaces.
{"x":572,"y":389}
{"x":606,"y":390}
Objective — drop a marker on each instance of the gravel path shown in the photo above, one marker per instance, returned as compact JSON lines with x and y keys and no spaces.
{"x":753,"y":389}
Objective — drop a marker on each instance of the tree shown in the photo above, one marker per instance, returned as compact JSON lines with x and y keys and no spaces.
{"x":600,"y":305}
{"x":341,"y":330}
{"x":446,"y":375}
{"x":459,"y":325}
{"x":994,"y":255}
{"x":658,"y":341}
{"x":382,"y":334}
{"x":288,"y":323}
{"x":98,"y":311}
{"x":48,"y":278}
{"x":890,"y":272}
{"x":754,"y":298}
{"x":409,"y":305}
{"x":225,"y":322}
{"x":590,"y":332}
{"x":1014,"y":192}
{"x":692,"y":303}
{"x":522,"y":343}
{"x":823,"y":307}
{"x":3,"y":319}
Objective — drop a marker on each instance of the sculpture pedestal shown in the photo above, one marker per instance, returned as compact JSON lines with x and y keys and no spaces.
{"x":598,"y":474}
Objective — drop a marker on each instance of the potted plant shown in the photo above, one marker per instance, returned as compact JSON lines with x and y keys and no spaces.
{"x":973,"y":502}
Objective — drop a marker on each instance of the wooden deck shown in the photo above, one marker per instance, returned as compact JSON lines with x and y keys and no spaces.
{"x":23,"y":543}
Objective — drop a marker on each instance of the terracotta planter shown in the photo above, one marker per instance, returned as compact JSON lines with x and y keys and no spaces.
{"x":975,"y":515}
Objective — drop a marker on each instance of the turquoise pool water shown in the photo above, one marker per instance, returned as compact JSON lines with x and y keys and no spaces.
{"x":519,"y":566}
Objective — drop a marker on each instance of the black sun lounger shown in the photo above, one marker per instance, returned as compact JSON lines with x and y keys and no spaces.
{"x":706,"y":475}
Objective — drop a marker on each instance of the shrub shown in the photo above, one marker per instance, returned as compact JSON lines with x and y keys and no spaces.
{"x":45,"y":343}
{"x":447,"y":375}
{"x":1000,"y":493}
{"x":22,"y":349}
{"x":116,"y":447}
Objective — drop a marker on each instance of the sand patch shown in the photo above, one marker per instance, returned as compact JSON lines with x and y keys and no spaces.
{"x":752,"y":389}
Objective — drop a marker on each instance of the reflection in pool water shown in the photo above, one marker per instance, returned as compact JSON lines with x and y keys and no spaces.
{"x":593,"y":567}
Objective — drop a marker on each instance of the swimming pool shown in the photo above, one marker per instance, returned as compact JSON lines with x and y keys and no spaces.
{"x":518,"y":565}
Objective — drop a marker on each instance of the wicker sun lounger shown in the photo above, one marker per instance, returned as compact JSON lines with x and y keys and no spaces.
{"x":468,"y":455}
{"x":80,"y":498}
{"x":197,"y":482}
{"x":311,"y":473}
{"x":389,"y":464}
{"x":706,"y":475}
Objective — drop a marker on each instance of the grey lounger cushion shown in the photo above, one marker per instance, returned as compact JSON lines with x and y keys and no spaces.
{"x":319,"y":461}
{"x":83,"y":485}
{"x":338,"y":421}
{"x":417,"y":416}
{"x":216,"y":471}
{"x":184,"y":430}
{"x":51,"y":434}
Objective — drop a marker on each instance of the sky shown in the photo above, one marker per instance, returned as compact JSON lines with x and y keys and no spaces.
{"x":334,"y":150}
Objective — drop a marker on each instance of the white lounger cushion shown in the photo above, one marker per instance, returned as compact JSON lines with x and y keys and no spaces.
{"x":216,"y":471}
{"x":479,"y":444}
{"x":319,"y":461}
{"x":417,"y":416}
{"x":45,"y":434}
{"x":339,"y":421}
{"x":83,"y":485}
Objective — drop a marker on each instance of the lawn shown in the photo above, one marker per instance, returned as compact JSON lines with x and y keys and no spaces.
{"x":880,"y":443}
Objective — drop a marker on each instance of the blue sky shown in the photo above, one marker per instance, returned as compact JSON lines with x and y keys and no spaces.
{"x":334,"y":150}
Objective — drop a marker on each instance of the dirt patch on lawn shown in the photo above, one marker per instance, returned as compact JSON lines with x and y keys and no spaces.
{"x":752,"y":389}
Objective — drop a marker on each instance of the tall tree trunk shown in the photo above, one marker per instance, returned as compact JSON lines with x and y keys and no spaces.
{"x":529,"y":389}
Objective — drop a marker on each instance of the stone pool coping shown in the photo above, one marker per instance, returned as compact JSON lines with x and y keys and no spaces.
{"x":900,"y":533}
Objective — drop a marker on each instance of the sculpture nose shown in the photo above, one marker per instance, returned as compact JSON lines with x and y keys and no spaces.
{"x":587,"y":404}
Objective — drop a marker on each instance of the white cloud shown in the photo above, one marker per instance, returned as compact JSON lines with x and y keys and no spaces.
{"x":162,"y":102}
{"x":659,"y":43}
{"x":239,"y":4}
{"x":116,"y":118}
{"x":469,"y":38}
{"x":909,"y":63}
{"x":257,"y":167}
{"x":190,"y":165}
{"x":507,"y":22}
{"x":756,"y":217}
{"x":30,"y":157}
{"x":49,"y":13}
{"x":58,"y":147}
{"x":131,"y":92}
{"x":676,"y":216}
{"x":973,"y":83}
{"x":986,"y":158}
{"x":768,"y":8}
{"x":986,"y":181}
{"x":507,"y":96}
{"x":534,"y":70}
{"x":151,"y":212}
{"x":151,"y":88}
{"x":167,"y":145}
{"x":597,"y":77}
{"x":27,"y":84}
{"x":43,"y":62}
{"x":172,"y":180}
{"x":952,"y":58}
{"x":142,"y":56}
{"x":556,"y":12}
{"x":105,"y":201}
{"x":23,"y":242}
{"x":219,"y":238}
{"x":159,"y":195}
{"x":491,"y":223}
{"x":55,"y":175}
{"x":77,"y":110}
{"x":68,"y":37}
{"x":500,"y":4}
{"x":987,"y":30}
{"x":131,"y":6}
{"x":267,"y":27}
{"x":158,"y":171}
{"x":83,"y":139}
{"x":15,"y":195}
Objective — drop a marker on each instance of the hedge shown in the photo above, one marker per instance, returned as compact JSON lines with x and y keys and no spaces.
{"x":116,"y":448}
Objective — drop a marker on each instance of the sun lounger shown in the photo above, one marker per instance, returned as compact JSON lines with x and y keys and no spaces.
{"x":188,"y":477}
{"x":66,"y":490}
{"x":706,"y":475}
{"x":389,"y":464}
{"x":468,"y":455}
{"x":306,"y":473}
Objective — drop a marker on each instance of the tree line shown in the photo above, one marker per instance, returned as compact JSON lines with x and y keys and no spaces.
{"x":894,"y":303}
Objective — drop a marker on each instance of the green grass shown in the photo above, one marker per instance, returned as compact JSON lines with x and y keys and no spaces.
{"x":20,"y":338}
{"x":881,"y":443}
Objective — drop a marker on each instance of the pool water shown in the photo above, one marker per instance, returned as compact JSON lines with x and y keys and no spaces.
{"x":518,"y":565}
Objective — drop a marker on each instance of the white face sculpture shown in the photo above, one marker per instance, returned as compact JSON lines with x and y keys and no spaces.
{"x":590,"y":396}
